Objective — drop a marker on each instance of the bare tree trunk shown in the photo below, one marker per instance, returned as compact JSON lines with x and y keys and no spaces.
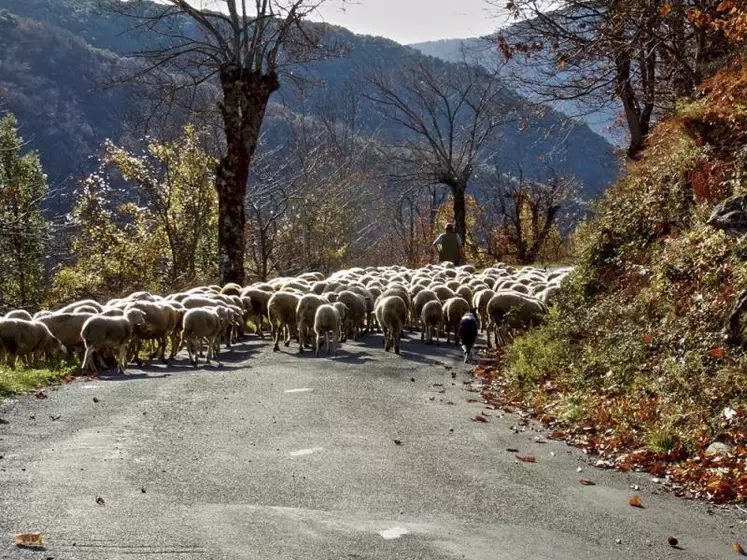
{"x":460,"y":210}
{"x":245,"y":97}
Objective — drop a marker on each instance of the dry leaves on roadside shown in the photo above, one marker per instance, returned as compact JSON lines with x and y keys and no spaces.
{"x":585,"y":482}
{"x":41,"y":395}
{"x":479,"y":418}
{"x":100,"y":500}
{"x":28,"y":539}
{"x":673,"y":541}
{"x":738,"y":549}
{"x":527,"y":459}
{"x":635,"y":501}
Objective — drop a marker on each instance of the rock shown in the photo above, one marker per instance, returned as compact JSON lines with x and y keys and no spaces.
{"x":718,"y":447}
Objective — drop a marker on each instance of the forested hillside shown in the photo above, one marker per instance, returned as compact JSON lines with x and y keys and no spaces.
{"x":58,"y":57}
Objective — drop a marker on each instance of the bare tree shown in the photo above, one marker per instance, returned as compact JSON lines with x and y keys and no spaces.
{"x":447,"y":114}
{"x":640,"y":54}
{"x":520,"y":214}
{"x":244,"y":50}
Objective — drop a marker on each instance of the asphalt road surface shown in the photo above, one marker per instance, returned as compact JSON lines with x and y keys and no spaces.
{"x":279,"y":456}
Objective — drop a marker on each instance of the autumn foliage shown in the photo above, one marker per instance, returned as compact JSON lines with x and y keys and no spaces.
{"x":634,"y":364}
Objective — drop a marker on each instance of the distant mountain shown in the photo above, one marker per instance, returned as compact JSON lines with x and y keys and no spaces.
{"x":483,"y":51}
{"x":55,"y":56}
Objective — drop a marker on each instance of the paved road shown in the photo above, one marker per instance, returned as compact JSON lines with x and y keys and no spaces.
{"x":286,"y":457}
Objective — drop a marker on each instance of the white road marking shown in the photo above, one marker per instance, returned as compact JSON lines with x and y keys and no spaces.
{"x":304,"y":390}
{"x":393,"y":533}
{"x":305,"y":451}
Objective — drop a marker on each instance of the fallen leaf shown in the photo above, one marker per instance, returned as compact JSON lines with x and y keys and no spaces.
{"x":142,"y":490}
{"x":100,"y":500}
{"x":512,"y":450}
{"x":635,"y":501}
{"x":585,"y":482}
{"x":717,"y":353}
{"x":527,"y":459}
{"x":397,"y":442}
{"x":28,"y":539}
{"x":55,"y":417}
{"x":95,"y":399}
{"x":665,"y":9}
{"x":672,"y":541}
{"x":41,"y":395}
{"x":738,"y":549}
{"x":68,"y":379}
{"x":479,"y":418}
{"x":3,"y":421}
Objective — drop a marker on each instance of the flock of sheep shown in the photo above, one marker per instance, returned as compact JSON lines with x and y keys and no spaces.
{"x":436,"y":298}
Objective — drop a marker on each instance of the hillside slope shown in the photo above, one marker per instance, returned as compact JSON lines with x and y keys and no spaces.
{"x":642,"y":361}
{"x":55,"y":55}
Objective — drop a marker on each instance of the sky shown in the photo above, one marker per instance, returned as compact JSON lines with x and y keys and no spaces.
{"x":413,"y":21}
{"x":405,"y":21}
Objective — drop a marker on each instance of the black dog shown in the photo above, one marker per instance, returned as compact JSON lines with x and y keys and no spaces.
{"x":467,"y":333}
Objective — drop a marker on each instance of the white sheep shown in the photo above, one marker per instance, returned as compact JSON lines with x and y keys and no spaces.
{"x":305,"y":313}
{"x":28,"y":339}
{"x":281,"y":311}
{"x":19,"y":314}
{"x":102,"y":333}
{"x":432,"y":317}
{"x":326,"y":321}
{"x":391,"y":313}
{"x":201,"y":325}
{"x":509,"y":311}
{"x":454,"y":309}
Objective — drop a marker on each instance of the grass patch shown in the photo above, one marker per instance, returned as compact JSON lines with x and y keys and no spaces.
{"x":23,"y":379}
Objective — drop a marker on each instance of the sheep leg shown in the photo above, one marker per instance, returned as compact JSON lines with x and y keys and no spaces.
{"x":276,"y":347}
{"x":334,"y":343}
{"x":301,"y":335}
{"x":397,"y":333}
{"x":287,"y":340}
{"x":326,"y":341}
{"x":487,"y":333}
{"x":88,"y":360}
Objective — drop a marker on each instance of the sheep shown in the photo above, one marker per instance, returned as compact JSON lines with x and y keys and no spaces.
{"x":343,"y":311}
{"x":281,"y":311}
{"x":201,"y":324}
{"x":454,"y":309}
{"x":231,"y":289}
{"x":465,"y":292}
{"x":29,"y":339}
{"x":259,"y":300}
{"x":356,"y":304}
{"x":102,"y":332}
{"x":432,"y":317}
{"x":70,"y":307}
{"x":391,"y":312}
{"x":66,"y":327}
{"x":19,"y":314}
{"x":305,"y":313}
{"x":418,"y":302}
{"x":86,"y":309}
{"x":480,"y":305}
{"x":508,"y":311}
{"x":160,"y":322}
{"x":326,"y":320}
{"x":443,"y":292}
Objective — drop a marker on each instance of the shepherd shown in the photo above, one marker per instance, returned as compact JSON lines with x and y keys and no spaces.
{"x":449,"y":246}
